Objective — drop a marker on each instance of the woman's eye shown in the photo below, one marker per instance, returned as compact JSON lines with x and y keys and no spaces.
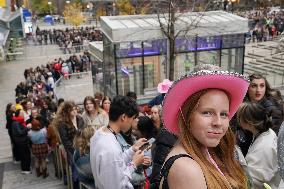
{"x":224,"y":115}
{"x":207,"y":113}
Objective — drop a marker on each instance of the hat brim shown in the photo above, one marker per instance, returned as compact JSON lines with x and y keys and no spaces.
{"x":235,"y":85}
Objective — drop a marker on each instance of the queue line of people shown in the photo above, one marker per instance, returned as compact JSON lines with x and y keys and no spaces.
{"x":196,"y":143}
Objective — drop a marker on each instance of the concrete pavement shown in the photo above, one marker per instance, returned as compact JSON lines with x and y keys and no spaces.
{"x":11,"y":73}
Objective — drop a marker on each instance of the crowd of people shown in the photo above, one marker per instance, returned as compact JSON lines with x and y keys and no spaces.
{"x":78,"y":38}
{"x":264,"y":24}
{"x":28,"y":119}
{"x":212,"y":135}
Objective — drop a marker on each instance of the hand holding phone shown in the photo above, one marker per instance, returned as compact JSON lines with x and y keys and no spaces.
{"x":147,"y":144}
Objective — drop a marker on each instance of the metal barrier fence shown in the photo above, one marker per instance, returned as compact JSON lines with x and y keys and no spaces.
{"x":74,"y":87}
{"x":35,"y":52}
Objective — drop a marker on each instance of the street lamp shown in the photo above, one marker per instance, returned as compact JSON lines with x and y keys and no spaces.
{"x":113,"y":8}
{"x":232,"y":4}
{"x":49,"y":4}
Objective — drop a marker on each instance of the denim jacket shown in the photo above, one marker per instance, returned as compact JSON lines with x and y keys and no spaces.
{"x":138,"y":176}
{"x":83,"y":166}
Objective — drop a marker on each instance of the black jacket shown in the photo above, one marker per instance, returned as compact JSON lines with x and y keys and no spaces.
{"x":67,"y":135}
{"x":164,"y":142}
{"x":19,"y":133}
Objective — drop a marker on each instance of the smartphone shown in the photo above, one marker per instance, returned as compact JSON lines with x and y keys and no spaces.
{"x":147,"y":144}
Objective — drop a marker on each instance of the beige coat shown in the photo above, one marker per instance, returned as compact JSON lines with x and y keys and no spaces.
{"x":96,"y":122}
{"x":262,"y":160}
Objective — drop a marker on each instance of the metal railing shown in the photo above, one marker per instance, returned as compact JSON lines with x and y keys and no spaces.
{"x":74,"y":87}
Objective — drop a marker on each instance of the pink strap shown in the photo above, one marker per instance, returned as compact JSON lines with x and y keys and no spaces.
{"x":213,"y":162}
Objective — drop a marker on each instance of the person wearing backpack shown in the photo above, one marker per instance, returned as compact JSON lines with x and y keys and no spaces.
{"x":21,"y":141}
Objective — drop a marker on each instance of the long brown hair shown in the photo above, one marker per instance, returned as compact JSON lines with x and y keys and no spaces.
{"x":63,"y":114}
{"x":223,"y":154}
{"x":92,"y":99}
{"x":267,"y":85}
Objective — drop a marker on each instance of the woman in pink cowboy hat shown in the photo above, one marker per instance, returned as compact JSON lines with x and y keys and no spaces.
{"x":162,"y":88}
{"x":198,"y":108}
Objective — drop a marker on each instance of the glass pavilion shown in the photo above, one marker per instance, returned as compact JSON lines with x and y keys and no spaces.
{"x":135,"y":49}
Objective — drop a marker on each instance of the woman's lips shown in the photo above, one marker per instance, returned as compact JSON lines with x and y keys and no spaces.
{"x":214,"y":134}
{"x":257,"y":95}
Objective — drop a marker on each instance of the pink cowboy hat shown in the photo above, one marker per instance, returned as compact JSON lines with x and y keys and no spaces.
{"x":164,"y":86}
{"x":234,"y":84}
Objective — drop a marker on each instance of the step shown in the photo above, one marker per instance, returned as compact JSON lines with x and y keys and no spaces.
{"x":272,"y":64}
{"x":270,"y":59}
{"x":255,"y":55}
{"x":248,"y":70}
{"x":250,"y":56}
{"x":278,"y":58}
{"x":266,"y":69}
{"x":251,"y":69}
{"x":268,"y":66}
{"x":42,"y":185}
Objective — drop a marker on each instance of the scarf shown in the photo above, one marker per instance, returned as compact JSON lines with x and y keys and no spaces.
{"x":20,"y":119}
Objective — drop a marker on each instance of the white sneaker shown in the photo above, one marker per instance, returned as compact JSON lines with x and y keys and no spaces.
{"x":26,"y":172}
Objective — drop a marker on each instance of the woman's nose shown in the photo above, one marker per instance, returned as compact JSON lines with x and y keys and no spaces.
{"x":217,"y":120}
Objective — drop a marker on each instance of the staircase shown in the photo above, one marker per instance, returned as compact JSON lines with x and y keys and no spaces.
{"x":13,"y":179}
{"x":264,"y":58}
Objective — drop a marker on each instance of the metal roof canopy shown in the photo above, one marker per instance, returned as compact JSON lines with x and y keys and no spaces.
{"x":8,"y":16}
{"x":96,"y":49}
{"x":128,"y":28}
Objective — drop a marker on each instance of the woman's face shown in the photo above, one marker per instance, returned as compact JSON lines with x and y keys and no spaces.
{"x":34,"y":113}
{"x":29,"y":105}
{"x":13,"y":108}
{"x":256,"y":90}
{"x":135,"y":129}
{"x":73,"y":112}
{"x":89,"y":106}
{"x":106,"y":105}
{"x":210,"y":120}
{"x":155,"y":113}
{"x":246,"y":126}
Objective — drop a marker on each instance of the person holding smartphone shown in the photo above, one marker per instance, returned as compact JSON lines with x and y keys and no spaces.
{"x":111,"y":166}
{"x":126,"y":140}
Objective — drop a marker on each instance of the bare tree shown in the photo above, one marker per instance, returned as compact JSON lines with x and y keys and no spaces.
{"x":168,"y":14}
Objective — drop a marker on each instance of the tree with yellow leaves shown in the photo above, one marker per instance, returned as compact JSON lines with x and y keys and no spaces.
{"x":73,"y":14}
{"x":125,"y":7}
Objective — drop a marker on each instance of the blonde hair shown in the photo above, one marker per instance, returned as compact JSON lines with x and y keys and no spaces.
{"x":82,"y":140}
{"x":159,"y":108}
{"x":223,"y":154}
